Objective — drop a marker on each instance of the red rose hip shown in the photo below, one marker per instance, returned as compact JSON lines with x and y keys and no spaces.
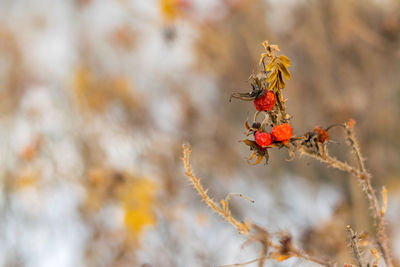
{"x":282,"y":132}
{"x":266,"y":102}
{"x":263,"y":139}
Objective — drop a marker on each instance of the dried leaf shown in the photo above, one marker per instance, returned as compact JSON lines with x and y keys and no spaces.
{"x":281,"y":82}
{"x":284,"y":60}
{"x":270,"y":65}
{"x":272,"y":85}
{"x":272,"y":76}
{"x":284,"y":71}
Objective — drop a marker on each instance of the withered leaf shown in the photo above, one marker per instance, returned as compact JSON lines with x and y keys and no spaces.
{"x":285,"y":60}
{"x":272,"y":85}
{"x":284,"y":71}
{"x":281,"y":82}
{"x":272,"y":76}
{"x":271,"y":65}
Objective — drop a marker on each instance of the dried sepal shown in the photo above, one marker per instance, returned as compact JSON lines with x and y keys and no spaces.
{"x":252,"y":144}
{"x":259,"y":159}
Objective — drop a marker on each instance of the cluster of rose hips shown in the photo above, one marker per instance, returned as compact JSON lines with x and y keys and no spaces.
{"x":267,"y":98}
{"x":279,"y":133}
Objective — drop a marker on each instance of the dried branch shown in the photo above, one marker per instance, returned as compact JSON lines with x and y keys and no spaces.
{"x":354,"y":238}
{"x":282,"y":251}
{"x":242,"y":227}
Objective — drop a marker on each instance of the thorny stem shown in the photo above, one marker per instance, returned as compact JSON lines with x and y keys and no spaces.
{"x":242,"y":227}
{"x":365,"y":180}
{"x":297,"y":254}
{"x":373,"y":201}
{"x":354,"y":245}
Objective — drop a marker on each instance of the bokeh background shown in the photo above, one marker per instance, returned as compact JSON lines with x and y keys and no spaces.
{"x":97,"y":98}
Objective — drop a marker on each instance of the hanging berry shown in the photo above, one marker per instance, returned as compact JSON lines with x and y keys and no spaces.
{"x":265,"y":102}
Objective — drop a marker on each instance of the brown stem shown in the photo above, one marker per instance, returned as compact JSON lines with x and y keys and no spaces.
{"x":365,"y":180}
{"x":354,"y":245}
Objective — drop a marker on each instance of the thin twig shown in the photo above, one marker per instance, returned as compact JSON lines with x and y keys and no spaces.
{"x":354,"y":245}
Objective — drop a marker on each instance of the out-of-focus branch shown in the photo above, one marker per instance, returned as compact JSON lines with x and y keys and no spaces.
{"x":354,"y":238}
{"x":364,"y":177}
{"x":281,"y":251}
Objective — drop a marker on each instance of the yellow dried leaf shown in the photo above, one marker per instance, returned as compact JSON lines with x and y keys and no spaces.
{"x":284,"y":60}
{"x":281,"y":82}
{"x":272,"y":85}
{"x":270,"y":65}
{"x":284,"y":71}
{"x":272,"y":76}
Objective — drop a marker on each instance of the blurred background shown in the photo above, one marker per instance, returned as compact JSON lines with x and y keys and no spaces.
{"x":97,"y":98}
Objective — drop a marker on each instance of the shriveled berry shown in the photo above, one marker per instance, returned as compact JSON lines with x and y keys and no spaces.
{"x":282,"y":132}
{"x":263,"y":139}
{"x":265,"y":102}
{"x":323,"y":135}
{"x":256,"y":125}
